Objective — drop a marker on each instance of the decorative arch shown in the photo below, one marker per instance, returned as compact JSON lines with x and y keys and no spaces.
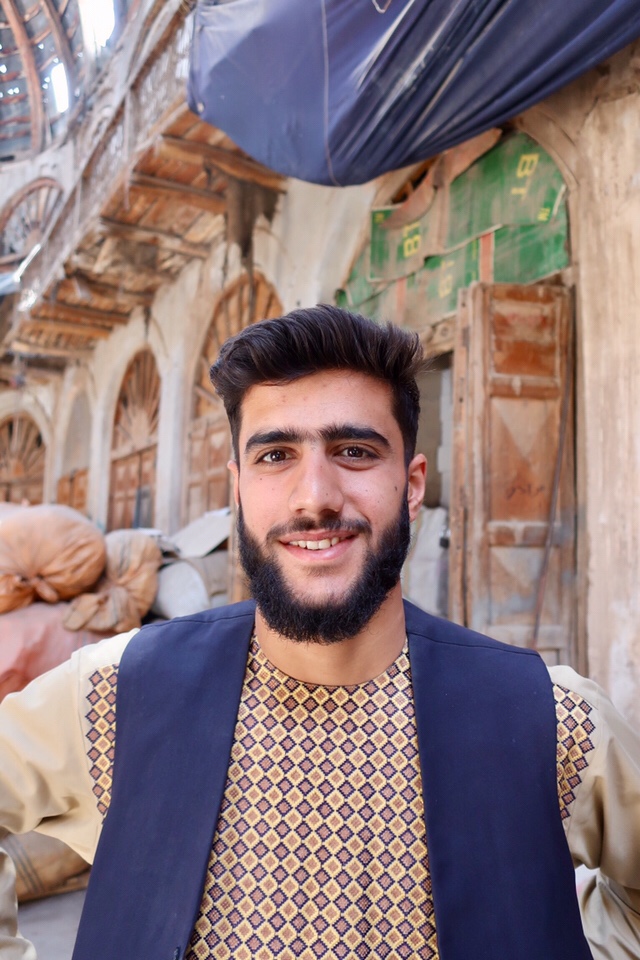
{"x":22,"y":460}
{"x":134,"y":445}
{"x":241,"y":304}
{"x":25,"y":219}
{"x":73,"y":485}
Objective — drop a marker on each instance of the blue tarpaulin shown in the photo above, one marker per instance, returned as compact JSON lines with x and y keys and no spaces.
{"x":340,"y":91}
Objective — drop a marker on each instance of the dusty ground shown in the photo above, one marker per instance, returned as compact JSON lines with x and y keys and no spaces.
{"x":51,"y":924}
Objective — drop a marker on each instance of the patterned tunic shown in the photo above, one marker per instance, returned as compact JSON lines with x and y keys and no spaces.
{"x":320,"y":848}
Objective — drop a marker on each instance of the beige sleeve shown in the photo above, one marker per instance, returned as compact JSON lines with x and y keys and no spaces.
{"x":603,"y":828}
{"x":45,"y":783}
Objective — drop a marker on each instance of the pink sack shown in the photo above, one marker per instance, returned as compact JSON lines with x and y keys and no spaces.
{"x":34,"y":640}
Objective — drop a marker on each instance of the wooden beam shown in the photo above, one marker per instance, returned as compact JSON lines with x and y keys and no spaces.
{"x":234,"y":165}
{"x":44,"y":325}
{"x":31,"y":374}
{"x":155,"y":238}
{"x":10,"y":259}
{"x":63,"y":47}
{"x":80,"y":316}
{"x":36,"y":108}
{"x":24,"y":348}
{"x":87,"y":286}
{"x":213,"y":203}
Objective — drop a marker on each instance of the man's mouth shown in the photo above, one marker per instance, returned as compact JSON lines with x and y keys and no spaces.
{"x":316,"y":544}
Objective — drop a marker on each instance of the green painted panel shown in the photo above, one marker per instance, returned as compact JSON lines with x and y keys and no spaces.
{"x":399,"y":251}
{"x":444,"y":276}
{"x":358,"y":289}
{"x":515,"y":183}
{"x":527,"y":253}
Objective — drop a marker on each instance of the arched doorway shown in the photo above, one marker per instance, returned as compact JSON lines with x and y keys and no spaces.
{"x":209,"y":443}
{"x":22,"y":456}
{"x":134,"y":446}
{"x":73,"y":485}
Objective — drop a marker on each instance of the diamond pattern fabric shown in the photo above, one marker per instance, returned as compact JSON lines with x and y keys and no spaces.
{"x":574,"y":743}
{"x":320,"y":849}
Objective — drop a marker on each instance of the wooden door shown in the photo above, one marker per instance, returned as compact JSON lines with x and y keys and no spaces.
{"x":72,"y":490}
{"x":513,"y":468}
{"x":134,"y":446}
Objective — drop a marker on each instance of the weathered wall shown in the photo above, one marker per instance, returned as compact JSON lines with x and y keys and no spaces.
{"x":593,"y":130}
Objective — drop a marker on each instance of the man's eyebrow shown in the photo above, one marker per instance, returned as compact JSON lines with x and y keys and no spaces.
{"x":352,"y":431}
{"x":330,"y":434}
{"x":276,"y":436}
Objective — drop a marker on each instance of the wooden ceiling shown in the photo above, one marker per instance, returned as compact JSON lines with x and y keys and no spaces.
{"x":169,"y":211}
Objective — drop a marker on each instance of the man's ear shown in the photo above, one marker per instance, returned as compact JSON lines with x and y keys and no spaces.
{"x":416,"y":483}
{"x":234,"y":470}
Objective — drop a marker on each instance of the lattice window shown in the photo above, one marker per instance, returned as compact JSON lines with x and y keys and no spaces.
{"x":22,"y":456}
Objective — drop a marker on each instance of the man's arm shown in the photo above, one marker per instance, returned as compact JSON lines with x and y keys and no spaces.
{"x":602,"y":821}
{"x":45,"y":783}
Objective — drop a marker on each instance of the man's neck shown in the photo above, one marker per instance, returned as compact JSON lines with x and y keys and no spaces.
{"x":347,"y":662}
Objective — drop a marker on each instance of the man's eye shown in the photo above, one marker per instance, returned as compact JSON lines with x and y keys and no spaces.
{"x":354,"y":452}
{"x":273,"y":456}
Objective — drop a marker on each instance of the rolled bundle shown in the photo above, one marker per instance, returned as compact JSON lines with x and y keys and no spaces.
{"x":125,"y":593}
{"x":48,"y":552}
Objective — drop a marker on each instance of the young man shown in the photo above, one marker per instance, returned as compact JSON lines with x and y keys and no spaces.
{"x":328,"y":773}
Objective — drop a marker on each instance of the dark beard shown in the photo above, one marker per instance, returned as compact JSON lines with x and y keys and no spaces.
{"x":333,"y":620}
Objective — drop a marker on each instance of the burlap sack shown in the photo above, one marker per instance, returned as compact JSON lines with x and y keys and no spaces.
{"x":44,"y":866}
{"x":48,"y":552}
{"x":34,"y":640}
{"x":126,"y":592}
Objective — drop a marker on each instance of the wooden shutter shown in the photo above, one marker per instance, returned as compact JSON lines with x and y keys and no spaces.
{"x":514,"y":442}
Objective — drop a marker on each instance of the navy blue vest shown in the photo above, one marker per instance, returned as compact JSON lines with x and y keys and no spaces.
{"x":503,"y":881}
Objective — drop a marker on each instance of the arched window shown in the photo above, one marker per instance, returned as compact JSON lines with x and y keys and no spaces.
{"x":209,"y":444}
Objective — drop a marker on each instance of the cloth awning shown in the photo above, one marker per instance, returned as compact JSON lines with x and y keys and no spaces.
{"x":340,"y":91}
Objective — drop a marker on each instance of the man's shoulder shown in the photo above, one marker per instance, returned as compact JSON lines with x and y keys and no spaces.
{"x":425,"y":626}
{"x":242,"y":612}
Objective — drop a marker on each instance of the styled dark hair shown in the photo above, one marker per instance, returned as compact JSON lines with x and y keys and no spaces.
{"x":319,"y":338}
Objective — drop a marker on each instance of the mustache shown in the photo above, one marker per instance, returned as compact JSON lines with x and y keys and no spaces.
{"x":308,"y":524}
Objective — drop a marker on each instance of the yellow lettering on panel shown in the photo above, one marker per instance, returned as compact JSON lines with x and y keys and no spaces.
{"x":445,"y":284}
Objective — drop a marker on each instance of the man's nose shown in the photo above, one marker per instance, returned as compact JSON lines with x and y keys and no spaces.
{"x":316,"y":486}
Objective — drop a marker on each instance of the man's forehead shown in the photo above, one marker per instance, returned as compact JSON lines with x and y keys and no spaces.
{"x":312,"y":403}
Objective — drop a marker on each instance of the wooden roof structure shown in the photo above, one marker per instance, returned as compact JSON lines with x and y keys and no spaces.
{"x":153,"y":196}
{"x":35,"y":35}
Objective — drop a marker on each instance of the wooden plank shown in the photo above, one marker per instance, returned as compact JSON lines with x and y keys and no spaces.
{"x":8,"y":374}
{"x":153,"y":187}
{"x":24,"y":348}
{"x":234,"y":165}
{"x":458,"y":512}
{"x":154,"y":238}
{"x":36,"y":109}
{"x":63,"y":47}
{"x":46,"y":326}
{"x":87,"y":286}
{"x":58,"y":310}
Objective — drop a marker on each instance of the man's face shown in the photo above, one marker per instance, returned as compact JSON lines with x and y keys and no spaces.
{"x":325,"y":500}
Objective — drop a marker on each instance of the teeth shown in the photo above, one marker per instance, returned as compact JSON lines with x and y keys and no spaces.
{"x":315,"y":544}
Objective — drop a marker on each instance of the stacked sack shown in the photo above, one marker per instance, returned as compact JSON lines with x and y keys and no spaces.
{"x":62,"y":585}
